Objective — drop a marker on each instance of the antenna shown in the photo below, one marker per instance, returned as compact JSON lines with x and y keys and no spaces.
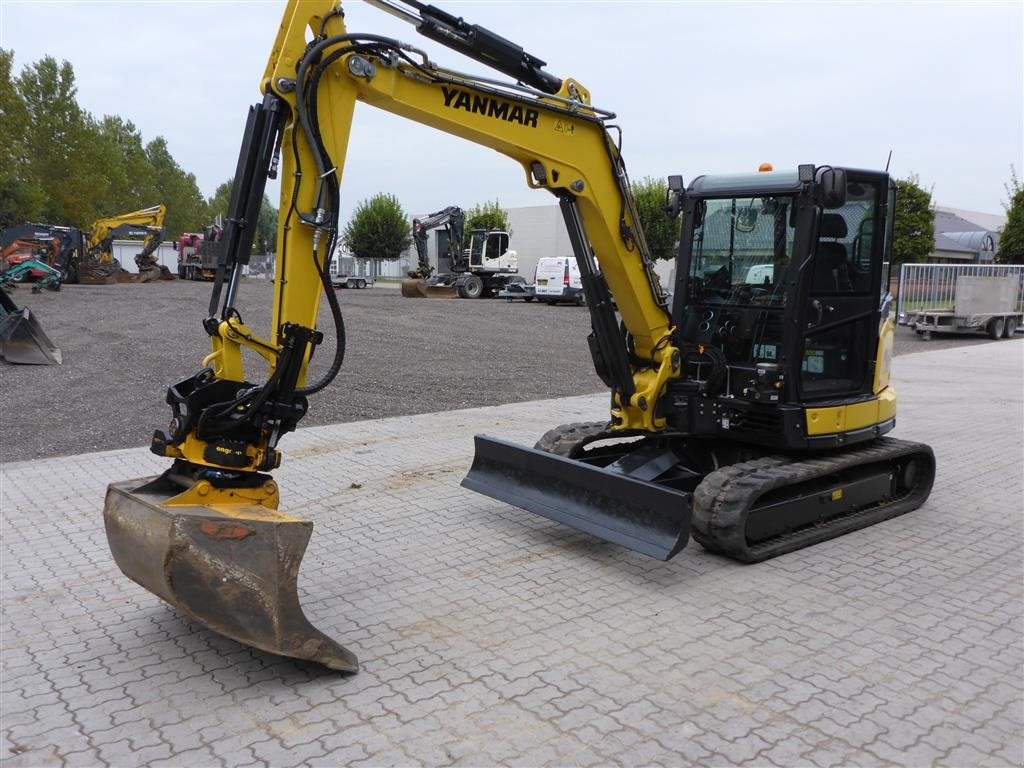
{"x":888,"y":161}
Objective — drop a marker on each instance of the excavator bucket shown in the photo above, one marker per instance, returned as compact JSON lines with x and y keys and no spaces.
{"x":231,"y":565}
{"x":96,"y":274}
{"x":22,"y":339}
{"x":423,"y":289}
{"x":603,"y":501}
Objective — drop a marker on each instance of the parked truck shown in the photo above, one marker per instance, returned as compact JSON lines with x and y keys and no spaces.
{"x":197,"y":253}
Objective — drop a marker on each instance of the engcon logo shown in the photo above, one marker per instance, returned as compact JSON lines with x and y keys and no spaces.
{"x":456,"y":98}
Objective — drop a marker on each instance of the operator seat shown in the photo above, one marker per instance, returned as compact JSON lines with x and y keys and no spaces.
{"x":830,"y":261}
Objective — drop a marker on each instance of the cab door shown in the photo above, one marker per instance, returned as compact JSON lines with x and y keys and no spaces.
{"x":841,"y":317}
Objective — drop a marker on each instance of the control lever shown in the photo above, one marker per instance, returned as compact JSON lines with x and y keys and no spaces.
{"x":821,"y":309}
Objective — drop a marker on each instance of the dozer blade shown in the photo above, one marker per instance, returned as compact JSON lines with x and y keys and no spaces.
{"x":421,"y":289}
{"x":22,"y":340}
{"x":646,"y":517}
{"x":232,"y":568}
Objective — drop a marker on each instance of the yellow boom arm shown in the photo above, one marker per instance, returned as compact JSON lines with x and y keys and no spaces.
{"x":560,"y":139}
{"x":147,"y":222}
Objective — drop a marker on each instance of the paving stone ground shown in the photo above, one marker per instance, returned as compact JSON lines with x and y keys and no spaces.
{"x":490,"y":636}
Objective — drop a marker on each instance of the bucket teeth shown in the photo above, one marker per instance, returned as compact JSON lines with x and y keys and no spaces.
{"x":233,"y":568}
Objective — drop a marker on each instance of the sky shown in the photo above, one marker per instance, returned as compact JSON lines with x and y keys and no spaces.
{"x":698,"y":87}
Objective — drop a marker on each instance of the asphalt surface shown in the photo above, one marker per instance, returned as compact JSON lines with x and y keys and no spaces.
{"x":124,"y":344}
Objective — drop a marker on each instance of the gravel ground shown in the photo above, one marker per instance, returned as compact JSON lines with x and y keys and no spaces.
{"x":123,"y":344}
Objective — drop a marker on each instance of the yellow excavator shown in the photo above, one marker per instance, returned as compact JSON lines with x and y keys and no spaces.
{"x":747,"y":411}
{"x":99,"y":266}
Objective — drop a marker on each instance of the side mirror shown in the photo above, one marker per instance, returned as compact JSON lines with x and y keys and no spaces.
{"x":674,"y":196}
{"x":831,"y":184}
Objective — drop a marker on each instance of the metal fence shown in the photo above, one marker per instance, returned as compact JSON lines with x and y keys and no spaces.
{"x":933,"y":286}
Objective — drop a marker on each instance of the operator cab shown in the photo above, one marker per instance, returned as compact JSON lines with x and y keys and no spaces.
{"x":760,"y":253}
{"x":489,"y":252}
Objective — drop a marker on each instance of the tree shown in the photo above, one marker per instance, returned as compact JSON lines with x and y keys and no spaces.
{"x":490,"y":215}
{"x":1011,"y":236}
{"x":178,"y":190}
{"x":129,"y":172}
{"x":64,"y":147}
{"x":379,"y":229}
{"x":21,"y":194}
{"x":266,"y":225}
{"x":914,"y":225}
{"x":660,"y":231}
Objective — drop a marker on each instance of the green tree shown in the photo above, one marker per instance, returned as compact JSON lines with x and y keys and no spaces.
{"x":490,"y":215}
{"x":379,"y":229}
{"x":914,"y":225}
{"x":65,"y":151}
{"x":266,"y":225}
{"x":129,"y":172}
{"x":178,"y":190}
{"x":1011,"y":235}
{"x":660,"y":231}
{"x":21,"y":194}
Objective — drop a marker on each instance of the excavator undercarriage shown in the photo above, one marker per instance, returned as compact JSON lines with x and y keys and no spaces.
{"x":651,"y":494}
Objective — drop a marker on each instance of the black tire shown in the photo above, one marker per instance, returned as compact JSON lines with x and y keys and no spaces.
{"x":995,"y":328}
{"x":361,"y":284}
{"x":527,"y":299}
{"x":472,"y":287}
{"x":1010,"y":328}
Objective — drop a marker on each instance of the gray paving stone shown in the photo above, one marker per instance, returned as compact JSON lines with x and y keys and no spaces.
{"x":492,"y":637}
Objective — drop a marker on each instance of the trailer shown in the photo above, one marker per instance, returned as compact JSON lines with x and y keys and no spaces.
{"x":351,"y":281}
{"x":518,"y":289}
{"x":345,"y":274}
{"x":982,"y":304}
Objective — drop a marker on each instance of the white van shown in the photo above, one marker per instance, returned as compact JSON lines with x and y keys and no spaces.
{"x":558,"y":279}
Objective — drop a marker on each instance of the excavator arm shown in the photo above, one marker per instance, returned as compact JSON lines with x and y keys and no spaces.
{"x":453,"y":219}
{"x":147,"y":223}
{"x":206,"y":535}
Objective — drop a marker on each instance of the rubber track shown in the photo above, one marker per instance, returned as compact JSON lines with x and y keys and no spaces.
{"x":723,"y":500}
{"x":569,"y":439}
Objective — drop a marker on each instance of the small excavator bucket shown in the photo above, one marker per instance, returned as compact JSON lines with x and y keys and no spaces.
{"x":417,"y":288}
{"x":231,"y":565}
{"x":606,"y":502}
{"x":96,"y":274}
{"x":22,"y":339}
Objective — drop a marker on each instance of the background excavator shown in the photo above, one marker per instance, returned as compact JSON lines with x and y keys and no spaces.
{"x":45,"y":255}
{"x":61,"y":248}
{"x":481,"y":270}
{"x":99,"y":267}
{"x":749,"y":412}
